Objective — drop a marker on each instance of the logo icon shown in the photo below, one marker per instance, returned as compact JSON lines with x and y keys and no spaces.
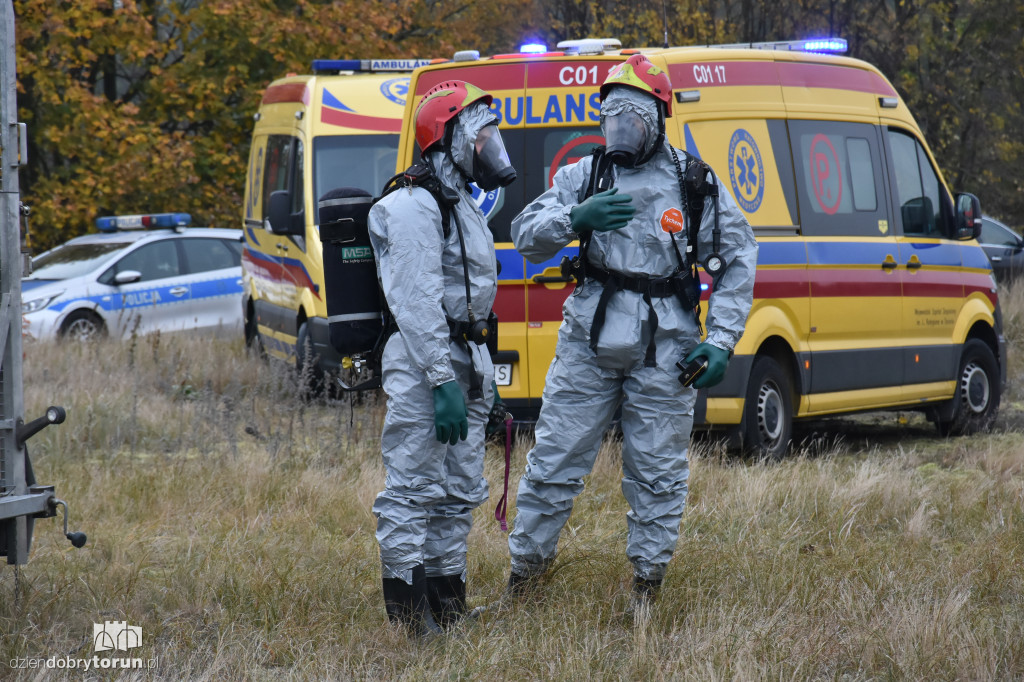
{"x":489,"y":202}
{"x":826,"y":174}
{"x":395,"y":89}
{"x":116,"y":635}
{"x":672,"y":220}
{"x":746,"y":171}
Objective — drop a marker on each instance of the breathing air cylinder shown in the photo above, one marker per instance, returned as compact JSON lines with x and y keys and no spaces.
{"x":354,"y":300}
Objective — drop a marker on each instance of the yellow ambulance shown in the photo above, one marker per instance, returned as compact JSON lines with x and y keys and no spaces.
{"x":338,"y":126}
{"x":871,"y":290}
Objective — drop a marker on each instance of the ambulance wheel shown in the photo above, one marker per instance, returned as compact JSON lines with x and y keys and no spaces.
{"x":768,"y":410}
{"x":82,"y":325}
{"x":978,"y":392}
{"x":307,"y":365}
{"x":253,"y":340}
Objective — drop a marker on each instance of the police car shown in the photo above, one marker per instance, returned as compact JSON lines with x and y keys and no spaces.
{"x":140,"y":274}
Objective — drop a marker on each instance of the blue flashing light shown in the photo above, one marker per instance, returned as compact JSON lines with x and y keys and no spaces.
{"x":321,"y":65}
{"x":533,"y":48}
{"x":834,"y":45}
{"x":142,"y":222}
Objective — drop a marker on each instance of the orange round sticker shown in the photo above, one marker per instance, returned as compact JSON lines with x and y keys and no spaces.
{"x":672,"y":220}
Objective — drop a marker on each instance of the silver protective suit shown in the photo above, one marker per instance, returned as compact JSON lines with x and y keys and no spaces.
{"x":424,"y":513}
{"x":584,"y":387}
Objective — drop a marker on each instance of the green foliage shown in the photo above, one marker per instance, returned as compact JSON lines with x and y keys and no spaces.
{"x":140,"y":105}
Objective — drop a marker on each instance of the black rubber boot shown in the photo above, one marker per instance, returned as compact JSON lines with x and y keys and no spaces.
{"x":520,"y":585}
{"x":447,"y":596}
{"x":641,"y":598}
{"x":646,"y":590}
{"x":408,"y":605}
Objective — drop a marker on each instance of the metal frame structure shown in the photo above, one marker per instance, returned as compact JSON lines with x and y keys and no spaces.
{"x":21,"y":500}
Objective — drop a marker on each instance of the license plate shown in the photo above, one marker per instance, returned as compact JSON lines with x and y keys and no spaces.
{"x":503,"y":375}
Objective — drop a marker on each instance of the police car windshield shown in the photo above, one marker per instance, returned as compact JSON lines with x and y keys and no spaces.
{"x":73,"y":260}
{"x":363,"y":161}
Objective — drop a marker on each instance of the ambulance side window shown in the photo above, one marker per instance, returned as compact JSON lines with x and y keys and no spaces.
{"x":924,"y":207}
{"x":276,"y":169}
{"x":547,"y":149}
{"x":839,"y":178}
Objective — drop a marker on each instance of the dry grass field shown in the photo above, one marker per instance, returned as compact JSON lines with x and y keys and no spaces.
{"x":231,"y":522}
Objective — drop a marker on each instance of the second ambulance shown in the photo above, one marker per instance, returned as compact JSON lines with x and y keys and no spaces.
{"x":871,"y":290}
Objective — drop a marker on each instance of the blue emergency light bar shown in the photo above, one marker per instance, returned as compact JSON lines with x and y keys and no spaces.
{"x":836,"y":45}
{"x":821,"y":45}
{"x":533,"y":48}
{"x":336,"y":65}
{"x":143,"y":221}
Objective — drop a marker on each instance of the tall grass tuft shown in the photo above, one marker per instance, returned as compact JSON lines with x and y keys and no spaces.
{"x":230,"y":519}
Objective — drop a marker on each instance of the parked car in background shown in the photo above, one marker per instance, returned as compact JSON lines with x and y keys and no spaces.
{"x":141,"y":274}
{"x":1004,"y":247}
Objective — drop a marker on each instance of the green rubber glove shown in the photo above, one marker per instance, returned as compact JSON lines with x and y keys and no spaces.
{"x":718,"y":360}
{"x":602,"y":212}
{"x":451,"y":421}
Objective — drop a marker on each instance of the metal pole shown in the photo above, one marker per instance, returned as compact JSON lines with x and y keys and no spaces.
{"x":15,"y":494}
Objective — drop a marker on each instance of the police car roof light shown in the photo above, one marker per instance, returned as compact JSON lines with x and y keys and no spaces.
{"x":338,"y":65}
{"x":143,"y":221}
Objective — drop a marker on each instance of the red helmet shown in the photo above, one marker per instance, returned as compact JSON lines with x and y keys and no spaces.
{"x":638,"y":72}
{"x":442,"y":103}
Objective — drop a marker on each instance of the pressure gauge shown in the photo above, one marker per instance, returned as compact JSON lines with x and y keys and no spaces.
{"x":714,"y":264}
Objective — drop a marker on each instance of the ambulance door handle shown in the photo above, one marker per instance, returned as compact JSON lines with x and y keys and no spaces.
{"x":914,"y":264}
{"x":889,"y":263}
{"x":552,"y":275}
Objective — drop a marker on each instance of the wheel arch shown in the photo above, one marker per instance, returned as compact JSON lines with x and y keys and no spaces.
{"x":780,"y":350}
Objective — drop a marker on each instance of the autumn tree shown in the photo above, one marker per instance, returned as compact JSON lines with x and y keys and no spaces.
{"x":146,"y":105}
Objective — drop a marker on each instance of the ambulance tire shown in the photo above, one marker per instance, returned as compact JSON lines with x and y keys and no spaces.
{"x":768,"y":410}
{"x":82,"y":325}
{"x":978,"y":392}
{"x":253,"y":340}
{"x":307,"y":365}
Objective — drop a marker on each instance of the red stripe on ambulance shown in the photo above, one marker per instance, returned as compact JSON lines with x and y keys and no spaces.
{"x":786,"y":74}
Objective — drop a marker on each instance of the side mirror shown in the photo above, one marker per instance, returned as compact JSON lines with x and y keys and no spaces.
{"x":282,"y":220}
{"x":127,"y":277}
{"x":968,"y":216}
{"x":279,"y":211}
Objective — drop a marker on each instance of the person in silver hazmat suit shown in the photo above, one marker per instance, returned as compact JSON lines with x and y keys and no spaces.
{"x":439,"y":285}
{"x":625,"y":329}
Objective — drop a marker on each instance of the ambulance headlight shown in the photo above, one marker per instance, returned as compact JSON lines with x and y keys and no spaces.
{"x":37,"y":304}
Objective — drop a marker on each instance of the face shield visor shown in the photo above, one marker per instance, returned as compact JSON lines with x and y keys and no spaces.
{"x":625,"y":138}
{"x":631,"y":124}
{"x":491,"y":167}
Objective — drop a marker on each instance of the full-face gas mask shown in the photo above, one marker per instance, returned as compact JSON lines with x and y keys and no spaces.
{"x":491,"y":167}
{"x":477,"y":148}
{"x":633,"y":126}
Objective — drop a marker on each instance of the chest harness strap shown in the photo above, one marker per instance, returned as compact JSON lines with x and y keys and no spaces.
{"x":683,"y":283}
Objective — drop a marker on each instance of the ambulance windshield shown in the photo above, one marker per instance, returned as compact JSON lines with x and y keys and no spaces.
{"x":363,"y":161}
